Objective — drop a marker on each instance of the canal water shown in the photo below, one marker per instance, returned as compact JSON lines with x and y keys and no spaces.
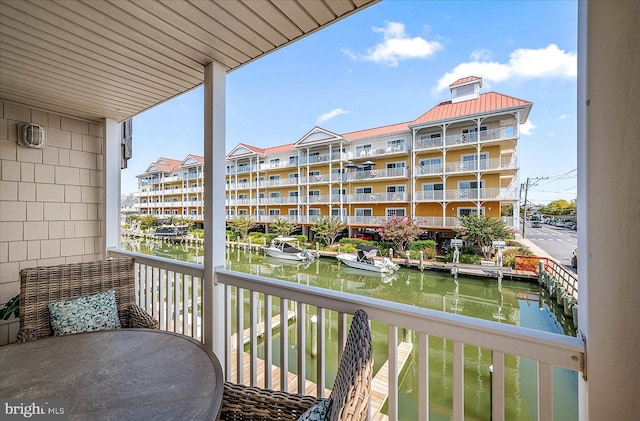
{"x":511,"y":302}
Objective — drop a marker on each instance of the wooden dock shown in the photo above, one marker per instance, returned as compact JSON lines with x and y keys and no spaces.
{"x":379,"y":383}
{"x":275,"y":323}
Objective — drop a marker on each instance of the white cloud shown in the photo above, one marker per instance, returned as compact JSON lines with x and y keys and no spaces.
{"x":523,"y":63}
{"x":481,"y":54}
{"x":563,"y":116}
{"x":397,"y":46}
{"x":526,"y":129}
{"x":331,"y":114}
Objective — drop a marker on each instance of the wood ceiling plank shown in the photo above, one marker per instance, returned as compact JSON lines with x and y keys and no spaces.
{"x":297,"y":14}
{"x":68,"y":50}
{"x":53,"y":25}
{"x":78,"y":69}
{"x":187,"y":32}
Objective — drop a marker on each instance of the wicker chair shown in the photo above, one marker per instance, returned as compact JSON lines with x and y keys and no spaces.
{"x":42,"y":285}
{"x":350,"y":393}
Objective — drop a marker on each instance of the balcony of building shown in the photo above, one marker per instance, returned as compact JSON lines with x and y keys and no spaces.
{"x":278,"y":164}
{"x":374,"y":174}
{"x":278,"y":200}
{"x":376,"y":197}
{"x":378,"y":148}
{"x":465,"y":195}
{"x":483,"y":165}
{"x":240,"y":186}
{"x":278,"y":182}
{"x":171,"y":291}
{"x":466,"y":139}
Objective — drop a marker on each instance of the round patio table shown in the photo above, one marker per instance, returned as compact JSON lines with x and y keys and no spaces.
{"x":126,"y":374}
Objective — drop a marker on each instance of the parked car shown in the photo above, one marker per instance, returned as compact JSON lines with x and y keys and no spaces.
{"x":570,"y":225}
{"x":536,"y":224}
{"x":574,"y":259}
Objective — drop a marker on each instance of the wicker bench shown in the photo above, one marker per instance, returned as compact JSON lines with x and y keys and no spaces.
{"x":350,"y":393}
{"x":42,"y":285}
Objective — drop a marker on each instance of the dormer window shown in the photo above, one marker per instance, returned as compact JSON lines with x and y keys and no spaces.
{"x":465,"y":89}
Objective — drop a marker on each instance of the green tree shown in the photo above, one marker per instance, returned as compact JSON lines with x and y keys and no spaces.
{"x":241,"y":225}
{"x":328,"y":228}
{"x":400,"y":231}
{"x":482,"y":230}
{"x":148,"y":221}
{"x":282,"y":227}
{"x":559,"y":207}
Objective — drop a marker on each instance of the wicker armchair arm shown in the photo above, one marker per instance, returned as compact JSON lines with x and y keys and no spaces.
{"x":241,"y":402}
{"x":26,"y":335}
{"x":139,"y":318}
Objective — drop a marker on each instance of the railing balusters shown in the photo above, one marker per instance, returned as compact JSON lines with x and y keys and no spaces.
{"x":147,"y":287}
{"x":171,"y":325}
{"x":423,"y":377}
{"x":163,"y":311}
{"x":458,"y":380}
{"x":227,"y":329}
{"x":185,"y":304}
{"x":301,"y":321}
{"x":393,"y":372}
{"x":284,"y":344}
{"x":320,"y":357}
{"x":342,"y":333}
{"x":176,"y":301}
{"x":195,"y":292}
{"x":497,"y":386}
{"x":545,"y":392}
{"x":268,"y":356}
{"x":240,"y":335}
{"x":253,"y":339}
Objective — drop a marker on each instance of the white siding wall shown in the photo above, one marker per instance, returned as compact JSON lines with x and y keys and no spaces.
{"x":50,"y":199}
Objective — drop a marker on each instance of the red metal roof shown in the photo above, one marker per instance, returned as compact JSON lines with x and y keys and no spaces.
{"x":278,"y":149}
{"x":491,"y":101}
{"x":377,"y":131}
{"x":466,"y":80}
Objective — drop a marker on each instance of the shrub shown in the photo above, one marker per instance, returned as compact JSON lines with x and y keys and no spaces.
{"x":472,"y":259}
{"x":422,"y":244}
{"x":302,"y":238}
{"x":523,"y":250}
{"x":199,"y":233}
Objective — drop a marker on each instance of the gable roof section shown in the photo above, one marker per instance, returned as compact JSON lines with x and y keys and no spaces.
{"x":399,"y":128}
{"x":243,"y":150}
{"x":191,"y":160}
{"x":280,"y":149}
{"x":162,"y":164}
{"x":466,"y":81}
{"x":486,"y":103}
{"x":317,"y":136}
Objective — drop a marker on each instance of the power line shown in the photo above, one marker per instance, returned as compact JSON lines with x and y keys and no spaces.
{"x":531,"y":182}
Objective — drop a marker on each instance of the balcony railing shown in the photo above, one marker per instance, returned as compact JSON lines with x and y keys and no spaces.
{"x":465,"y":194}
{"x":492,"y":164}
{"x":171,"y":291}
{"x":379,"y":148}
{"x":376,"y":197}
{"x":501,"y":133}
{"x":277,"y":165}
{"x":271,"y":218}
{"x":316,"y":179}
{"x":281,"y":182}
{"x":373,"y":175}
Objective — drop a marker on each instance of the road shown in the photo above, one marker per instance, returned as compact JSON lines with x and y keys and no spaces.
{"x":557,"y":242}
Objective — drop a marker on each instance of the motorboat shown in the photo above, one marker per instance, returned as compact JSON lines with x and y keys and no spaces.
{"x":366,"y":259}
{"x":171,"y":231}
{"x":282,"y":248}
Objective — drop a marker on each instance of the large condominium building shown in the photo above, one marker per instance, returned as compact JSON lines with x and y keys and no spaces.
{"x":173,"y":188}
{"x":459,"y":158}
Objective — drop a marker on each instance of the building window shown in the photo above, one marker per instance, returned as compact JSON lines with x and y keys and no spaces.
{"x":293,"y":194}
{"x":195,"y":212}
{"x":396,"y":212}
{"x":364,"y":212}
{"x":293,"y":160}
{"x":364,"y":190}
{"x":242,"y":212}
{"x":363,"y":150}
{"x":469,"y":211}
{"x":242,"y":196}
{"x":470,"y":161}
{"x":314,"y":212}
{"x":293,"y":212}
{"x":314,"y":173}
{"x":274,"y":212}
{"x":274,"y":194}
{"x":293,"y":175}
{"x":395,"y":165}
{"x":314,"y":192}
{"x":396,"y":189}
{"x":274,"y":162}
{"x":432,"y":187}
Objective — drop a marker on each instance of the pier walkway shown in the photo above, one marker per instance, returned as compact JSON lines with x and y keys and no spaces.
{"x":379,"y":388}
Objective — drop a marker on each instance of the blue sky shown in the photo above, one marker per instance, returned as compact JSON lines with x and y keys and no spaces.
{"x":389,"y":64}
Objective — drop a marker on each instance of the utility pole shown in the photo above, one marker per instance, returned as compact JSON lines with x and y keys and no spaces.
{"x":530,"y":183}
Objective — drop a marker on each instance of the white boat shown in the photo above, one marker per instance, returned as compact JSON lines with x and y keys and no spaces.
{"x":366,"y":259}
{"x":171,"y":231}
{"x":282,"y":248}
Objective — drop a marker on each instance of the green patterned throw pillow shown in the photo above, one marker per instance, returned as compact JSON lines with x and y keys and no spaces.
{"x":85,"y":314}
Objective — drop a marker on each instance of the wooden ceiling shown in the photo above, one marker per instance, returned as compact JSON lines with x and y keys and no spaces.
{"x":116,"y":58}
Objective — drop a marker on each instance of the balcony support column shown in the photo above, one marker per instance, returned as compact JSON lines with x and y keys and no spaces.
{"x":608,"y":194}
{"x":111,"y":199}
{"x":214,"y":214}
